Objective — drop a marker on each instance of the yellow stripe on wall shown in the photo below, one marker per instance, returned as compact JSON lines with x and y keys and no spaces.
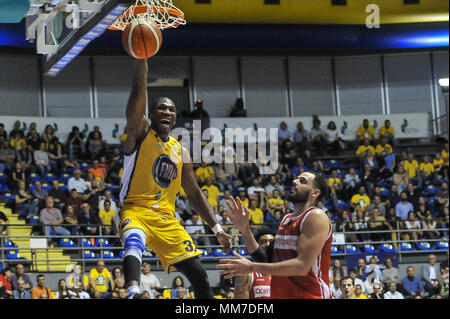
{"x":312,"y":11}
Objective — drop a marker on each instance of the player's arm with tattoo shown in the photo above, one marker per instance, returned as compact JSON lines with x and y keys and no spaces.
{"x":242,"y":287}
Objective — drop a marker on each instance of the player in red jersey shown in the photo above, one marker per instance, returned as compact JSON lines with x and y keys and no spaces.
{"x":255,"y":285}
{"x":301,"y":252}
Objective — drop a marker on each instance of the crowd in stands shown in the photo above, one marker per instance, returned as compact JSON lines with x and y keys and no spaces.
{"x":71,"y":187}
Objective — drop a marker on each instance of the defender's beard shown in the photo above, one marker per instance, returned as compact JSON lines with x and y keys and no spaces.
{"x":299,"y":197}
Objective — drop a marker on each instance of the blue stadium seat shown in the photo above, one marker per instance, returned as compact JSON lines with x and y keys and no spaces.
{"x":87,"y":243}
{"x":108,"y":254}
{"x":46,"y":186}
{"x":88,"y":254}
{"x":50,"y":177}
{"x":34,"y":219}
{"x":369,"y":248}
{"x":406,"y":247}
{"x":424,"y":245}
{"x":334,"y":164}
{"x":442,"y":245}
{"x":85,"y":166}
{"x":342,"y":204}
{"x":121,"y":253}
{"x":243,"y":252}
{"x":14,"y":255}
{"x":9,"y":244}
{"x":4,"y":188}
{"x":67,"y":242}
{"x":1,"y":267}
{"x":63,"y":186}
{"x":103,"y":242}
{"x":8,"y":198}
{"x":3,"y":177}
{"x":64,"y":177}
{"x":431,"y":190}
{"x":384,"y":191}
{"x":335,"y":250}
{"x":388,"y":248}
{"x":351,"y":249}
{"x":218,"y":252}
{"x":34,"y":177}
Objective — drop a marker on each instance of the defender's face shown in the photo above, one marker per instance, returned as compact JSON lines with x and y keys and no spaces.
{"x":163,"y":116}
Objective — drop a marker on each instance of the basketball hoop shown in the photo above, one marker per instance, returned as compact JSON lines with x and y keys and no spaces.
{"x":163,"y":12}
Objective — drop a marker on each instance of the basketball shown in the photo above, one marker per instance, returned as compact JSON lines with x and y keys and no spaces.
{"x":142,"y":38}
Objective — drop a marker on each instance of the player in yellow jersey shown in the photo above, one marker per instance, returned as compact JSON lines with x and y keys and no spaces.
{"x":155,"y":168}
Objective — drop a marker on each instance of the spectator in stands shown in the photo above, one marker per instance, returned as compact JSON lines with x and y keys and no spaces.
{"x":365,"y":131}
{"x":301,"y":136}
{"x":443,"y":282}
{"x":48,"y":134}
{"x":56,"y":156}
{"x":108,"y":196}
{"x":77,"y":182}
{"x":20,"y":275}
{"x":247,"y":172}
{"x":78,"y":282}
{"x":383,"y":148}
{"x":299,"y":168}
{"x":223,"y":179}
{"x":412,"y":224}
{"x":5,"y":283}
{"x":51,"y":217}
{"x":377,"y":204}
{"x":284,"y":133}
{"x":360,"y":220}
{"x":361,"y":270}
{"x":438,"y":163}
{"x":3,"y":133}
{"x":445,"y":157}
{"x":353,"y":275}
{"x":106,"y":217}
{"x":393,"y":224}
{"x":16,"y":130}
{"x":91,"y":134}
{"x":412,"y":285}
{"x":377,"y":223}
{"x":7,"y":156}
{"x":254,"y":191}
{"x":443,"y":220}
{"x":421,"y":208}
{"x":196,"y":229}
{"x":361,"y":198}
{"x":351,"y":183}
{"x":347,"y":286}
{"x":388,"y":132}
{"x":97,"y":171}
{"x":59,"y":196}
{"x":24,"y":203}
{"x":75,"y":201}
{"x":347,"y":225}
{"x":358,"y":293}
{"x":17,"y":141}
{"x":412,"y":193}
{"x":75,"y":142}
{"x":22,"y":292}
{"x":363,"y":149}
{"x":40,"y":289}
{"x":335,"y":183}
{"x":203,"y":172}
{"x":256,"y":216}
{"x":430,"y":276}
{"x":42,"y":160}
{"x":213,"y":193}
{"x":71,"y":219}
{"x":442,"y":196}
{"x":429,"y":226}
{"x":403,"y":208}
{"x":99,"y":278}
{"x":318,"y":137}
{"x":39,"y":194}
{"x":401,"y":179}
{"x":25,"y":157}
{"x":149,"y":282}
{"x":392,"y":293}
{"x":274,"y":185}
{"x":377,"y":292}
{"x":369,"y":178}
{"x":426,"y":171}
{"x":4,"y":227}
{"x":274,"y":202}
{"x":391,"y":274}
{"x":93,"y":194}
{"x":34,"y":140}
{"x":63,"y":291}
{"x":412,"y":168}
{"x":18,"y":175}
{"x":333,"y":139}
{"x":88,"y":219}
{"x":336,"y":270}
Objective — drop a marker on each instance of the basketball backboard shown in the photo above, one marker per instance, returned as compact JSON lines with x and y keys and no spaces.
{"x":63,"y":28}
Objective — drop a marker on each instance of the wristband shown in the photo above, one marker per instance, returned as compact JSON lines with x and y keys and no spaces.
{"x":217,"y":229}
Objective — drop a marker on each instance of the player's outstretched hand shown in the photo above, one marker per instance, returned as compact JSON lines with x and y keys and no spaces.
{"x":225,"y":240}
{"x":235,"y":267}
{"x":238,"y":214}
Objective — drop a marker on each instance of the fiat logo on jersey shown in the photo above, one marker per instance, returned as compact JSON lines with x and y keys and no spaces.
{"x":164,"y":171}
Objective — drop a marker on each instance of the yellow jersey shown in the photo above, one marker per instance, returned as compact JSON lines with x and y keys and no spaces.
{"x":151,"y":175}
{"x":362,"y":150}
{"x":107,"y":216}
{"x":204,"y":172}
{"x":426,"y":168}
{"x":411,"y":168}
{"x":362,"y":200}
{"x":256,"y":215}
{"x":363,"y":132}
{"x":213,"y":192}
{"x":101,"y":279}
{"x":438,"y":163}
{"x":384,"y":130}
{"x":380,"y":149}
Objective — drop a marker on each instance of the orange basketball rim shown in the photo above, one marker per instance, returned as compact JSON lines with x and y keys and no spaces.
{"x":163,"y":12}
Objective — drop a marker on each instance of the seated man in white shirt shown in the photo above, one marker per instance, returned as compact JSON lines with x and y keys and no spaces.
{"x":108,"y":196}
{"x":77,"y":182}
{"x":254,"y":190}
{"x":196,"y":229}
{"x":392,"y":293}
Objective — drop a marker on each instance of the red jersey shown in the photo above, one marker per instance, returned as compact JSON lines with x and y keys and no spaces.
{"x":316,"y":284}
{"x":260,"y":286}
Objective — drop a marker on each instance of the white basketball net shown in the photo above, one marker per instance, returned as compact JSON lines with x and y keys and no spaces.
{"x":163,"y":12}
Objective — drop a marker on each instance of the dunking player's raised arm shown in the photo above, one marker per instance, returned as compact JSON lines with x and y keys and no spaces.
{"x":201,"y":205}
{"x":135,"y":112}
